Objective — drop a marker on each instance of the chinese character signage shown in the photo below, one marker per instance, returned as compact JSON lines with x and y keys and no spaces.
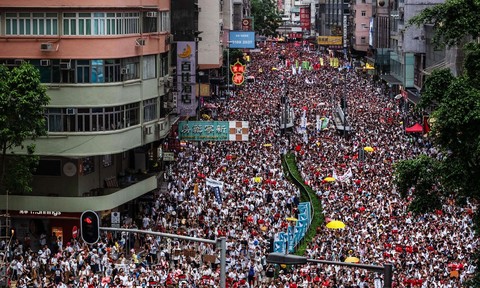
{"x":238,"y":70}
{"x":242,"y":39}
{"x":305,"y":18}
{"x":329,"y":40}
{"x":213,"y":130}
{"x":186,"y":78}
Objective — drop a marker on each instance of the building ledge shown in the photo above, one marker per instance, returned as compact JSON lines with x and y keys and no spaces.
{"x":78,"y":204}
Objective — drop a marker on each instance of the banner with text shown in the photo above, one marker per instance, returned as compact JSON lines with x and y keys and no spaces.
{"x":213,"y":130}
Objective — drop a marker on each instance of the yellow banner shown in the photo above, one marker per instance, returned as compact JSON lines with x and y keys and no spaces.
{"x":329,"y":40}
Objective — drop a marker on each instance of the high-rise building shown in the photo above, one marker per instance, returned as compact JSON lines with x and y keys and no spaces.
{"x":106,"y":66}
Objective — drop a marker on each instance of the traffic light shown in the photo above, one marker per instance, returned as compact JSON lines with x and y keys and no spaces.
{"x":89,"y":225}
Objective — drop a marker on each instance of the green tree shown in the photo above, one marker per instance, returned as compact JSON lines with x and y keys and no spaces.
{"x":265,"y":17}
{"x":454,"y":172}
{"x":452,"y":21}
{"x":22,"y":102}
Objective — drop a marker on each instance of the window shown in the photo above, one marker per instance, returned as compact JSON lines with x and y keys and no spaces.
{"x":150,"y":110}
{"x":96,"y":119}
{"x":54,"y":121}
{"x":163,"y":65}
{"x":48,"y":168}
{"x":132,"y":114}
{"x":86,"y":71}
{"x":364,"y":26}
{"x":363,"y":40}
{"x":164,"y":21}
{"x":150,"y":24}
{"x":97,"y":71}
{"x":149,"y":63}
{"x":101,"y":23}
{"x":364,"y":13}
{"x":83,"y":71}
{"x":31,"y":23}
{"x":131,"y":68}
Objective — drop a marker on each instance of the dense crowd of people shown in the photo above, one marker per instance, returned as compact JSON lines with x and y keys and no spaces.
{"x":429,"y":250}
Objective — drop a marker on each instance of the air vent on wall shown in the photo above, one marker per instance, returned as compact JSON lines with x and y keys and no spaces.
{"x":46,"y":47}
{"x":140,"y":42}
{"x":151,"y":14}
{"x":44,"y":62}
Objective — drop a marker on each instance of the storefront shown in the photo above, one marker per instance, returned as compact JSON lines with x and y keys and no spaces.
{"x":31,"y":227}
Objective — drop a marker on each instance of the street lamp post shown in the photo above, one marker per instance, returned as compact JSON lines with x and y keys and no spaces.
{"x":280,"y":258}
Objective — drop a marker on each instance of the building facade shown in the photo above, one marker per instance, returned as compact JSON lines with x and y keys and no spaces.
{"x":106,"y":67}
{"x":362,"y":25}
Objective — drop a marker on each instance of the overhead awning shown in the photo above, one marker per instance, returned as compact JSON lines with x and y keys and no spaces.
{"x":391,"y":79}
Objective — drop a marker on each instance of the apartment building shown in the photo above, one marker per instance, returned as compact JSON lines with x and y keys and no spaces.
{"x":106,"y":66}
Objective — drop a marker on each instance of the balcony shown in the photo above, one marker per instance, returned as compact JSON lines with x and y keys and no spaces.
{"x":79,"y":204}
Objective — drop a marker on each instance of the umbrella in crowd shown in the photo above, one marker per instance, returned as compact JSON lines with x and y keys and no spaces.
{"x":335,"y":224}
{"x":329,"y":179}
{"x":368,"y":149}
{"x":351,"y":259}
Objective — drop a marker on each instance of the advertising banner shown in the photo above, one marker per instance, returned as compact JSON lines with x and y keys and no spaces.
{"x":329,"y":40}
{"x":187,"y":103}
{"x":213,"y":130}
{"x":305,"y":18}
{"x":242,"y":39}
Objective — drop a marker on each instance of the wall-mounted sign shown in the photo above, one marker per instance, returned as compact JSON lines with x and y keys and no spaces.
{"x":238,"y":70}
{"x":213,"y":130}
{"x":186,"y":78}
{"x":242,"y":39}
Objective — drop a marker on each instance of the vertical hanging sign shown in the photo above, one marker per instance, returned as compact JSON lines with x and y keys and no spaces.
{"x":186,"y":78}
{"x":238,"y":70}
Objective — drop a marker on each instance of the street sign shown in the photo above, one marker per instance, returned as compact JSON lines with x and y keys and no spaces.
{"x":115,"y":219}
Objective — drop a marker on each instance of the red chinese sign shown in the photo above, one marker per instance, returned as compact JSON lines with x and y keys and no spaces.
{"x":238,"y":69}
{"x":238,"y":79}
{"x":305,"y":18}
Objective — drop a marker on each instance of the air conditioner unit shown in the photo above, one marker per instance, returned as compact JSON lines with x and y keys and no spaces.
{"x":147,"y":130}
{"x":140,"y":42}
{"x":65,"y":65}
{"x":46,"y":47}
{"x":45,"y":62}
{"x":125,"y":71}
{"x":152,"y":14}
{"x":169,"y":39}
{"x":71,"y":111}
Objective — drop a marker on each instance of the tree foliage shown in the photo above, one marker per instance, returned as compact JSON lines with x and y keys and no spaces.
{"x":22,"y":102}
{"x":452,"y":21}
{"x":265,"y":16}
{"x":454,"y":171}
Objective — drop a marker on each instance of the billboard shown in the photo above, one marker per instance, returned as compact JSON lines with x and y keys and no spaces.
{"x":329,"y":40}
{"x":242,"y":39}
{"x":187,"y":101}
{"x":213,"y":130}
{"x":305,"y":18}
